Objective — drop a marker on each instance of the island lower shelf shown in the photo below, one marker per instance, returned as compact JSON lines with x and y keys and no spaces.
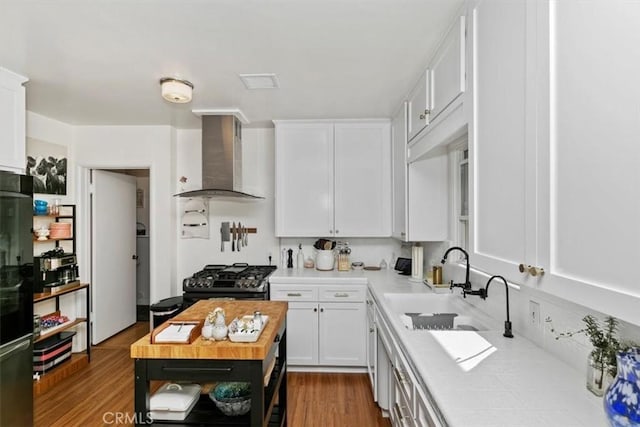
{"x":205,"y":411}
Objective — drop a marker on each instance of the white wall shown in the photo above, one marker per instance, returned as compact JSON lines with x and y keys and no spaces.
{"x":139,"y":147}
{"x":258,"y":178}
{"x":371,"y":251}
{"x":45,"y":129}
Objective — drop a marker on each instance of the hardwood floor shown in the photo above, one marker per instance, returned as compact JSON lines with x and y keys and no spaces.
{"x":95,"y":396}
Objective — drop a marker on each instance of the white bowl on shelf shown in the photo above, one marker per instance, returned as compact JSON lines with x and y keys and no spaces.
{"x":42,"y":233}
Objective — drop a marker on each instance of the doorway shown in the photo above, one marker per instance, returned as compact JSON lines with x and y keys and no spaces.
{"x":111,"y":200}
{"x":143,"y":237}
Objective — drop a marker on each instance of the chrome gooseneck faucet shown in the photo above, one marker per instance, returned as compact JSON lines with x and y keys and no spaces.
{"x":507,"y":324}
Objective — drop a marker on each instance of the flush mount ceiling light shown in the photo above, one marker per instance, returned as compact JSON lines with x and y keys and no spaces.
{"x":176,"y":90}
{"x":260,"y":81}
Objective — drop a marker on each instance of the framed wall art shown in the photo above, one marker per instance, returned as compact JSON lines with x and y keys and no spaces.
{"x":47,"y":164}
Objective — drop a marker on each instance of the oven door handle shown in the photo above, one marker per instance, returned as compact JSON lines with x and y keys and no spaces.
{"x":21,"y":346}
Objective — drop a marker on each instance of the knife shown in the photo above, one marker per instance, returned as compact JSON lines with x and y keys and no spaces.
{"x":239,"y":235}
{"x":246,"y":236}
{"x":233,"y":237}
{"x":224,"y":235}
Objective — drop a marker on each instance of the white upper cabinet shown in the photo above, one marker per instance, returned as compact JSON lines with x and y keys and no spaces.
{"x":441,"y":84}
{"x":420,"y":190}
{"x":12,"y":121}
{"x":553,"y":188}
{"x":502,"y":230}
{"x":304,"y":179}
{"x":447,"y":70}
{"x":333,"y":179}
{"x":362,"y":194}
{"x":399,"y":172}
{"x":419,"y":105}
{"x":588,"y":180}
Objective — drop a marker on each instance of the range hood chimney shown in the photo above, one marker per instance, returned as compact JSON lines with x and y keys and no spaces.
{"x":221,"y":159}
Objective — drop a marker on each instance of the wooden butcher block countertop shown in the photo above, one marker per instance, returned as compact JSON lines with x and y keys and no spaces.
{"x":206,"y":349}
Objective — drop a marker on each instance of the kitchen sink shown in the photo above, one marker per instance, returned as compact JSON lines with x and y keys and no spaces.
{"x":430,"y":312}
{"x":438,"y":322}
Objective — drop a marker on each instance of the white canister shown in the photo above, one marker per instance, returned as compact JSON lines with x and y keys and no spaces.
{"x":325,"y":260}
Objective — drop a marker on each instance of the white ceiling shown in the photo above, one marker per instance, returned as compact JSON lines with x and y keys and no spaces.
{"x":100,"y":61}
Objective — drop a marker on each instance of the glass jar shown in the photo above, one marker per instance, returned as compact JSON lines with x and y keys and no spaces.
{"x":598,"y":376}
{"x":344,"y":264}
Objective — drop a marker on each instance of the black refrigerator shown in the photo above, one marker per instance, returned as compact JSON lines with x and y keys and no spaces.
{"x":16,"y":300}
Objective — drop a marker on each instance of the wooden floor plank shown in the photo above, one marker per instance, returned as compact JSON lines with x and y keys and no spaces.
{"x":95,"y":395}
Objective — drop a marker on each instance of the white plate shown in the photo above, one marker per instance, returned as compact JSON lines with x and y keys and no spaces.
{"x":249,"y":336}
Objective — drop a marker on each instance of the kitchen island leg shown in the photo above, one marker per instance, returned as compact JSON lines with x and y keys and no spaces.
{"x":141,"y":394}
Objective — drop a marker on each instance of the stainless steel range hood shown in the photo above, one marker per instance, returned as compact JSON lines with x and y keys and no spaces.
{"x":221,"y":159}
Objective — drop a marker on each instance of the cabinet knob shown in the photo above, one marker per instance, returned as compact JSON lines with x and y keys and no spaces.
{"x":337,"y":231}
{"x":322,"y":310}
{"x":536,"y":271}
{"x":530,"y":269}
{"x":371,"y":330}
{"x":134,"y":256}
{"x":315,"y":310}
{"x":425,"y":114}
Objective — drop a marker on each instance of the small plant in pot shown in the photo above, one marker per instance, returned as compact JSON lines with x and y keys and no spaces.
{"x":601,"y":367}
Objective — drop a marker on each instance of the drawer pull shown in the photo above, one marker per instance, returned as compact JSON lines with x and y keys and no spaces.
{"x":400,"y":377}
{"x":195,"y":370}
{"x":398,"y":412}
{"x":341,"y":295}
{"x":294,"y":294}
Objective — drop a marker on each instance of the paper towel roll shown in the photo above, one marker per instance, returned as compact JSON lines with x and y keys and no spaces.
{"x":416,"y":262}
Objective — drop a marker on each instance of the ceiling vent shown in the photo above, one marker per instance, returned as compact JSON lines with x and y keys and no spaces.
{"x":259,"y":81}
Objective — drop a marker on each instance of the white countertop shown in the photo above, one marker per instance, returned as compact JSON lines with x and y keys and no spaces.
{"x":517,"y":384}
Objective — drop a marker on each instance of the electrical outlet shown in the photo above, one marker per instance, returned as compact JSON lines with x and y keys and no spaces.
{"x":534,"y":314}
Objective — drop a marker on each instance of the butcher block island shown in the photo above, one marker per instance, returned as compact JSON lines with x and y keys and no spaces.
{"x":206,"y":362}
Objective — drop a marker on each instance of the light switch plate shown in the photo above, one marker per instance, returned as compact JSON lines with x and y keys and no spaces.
{"x":534,"y":314}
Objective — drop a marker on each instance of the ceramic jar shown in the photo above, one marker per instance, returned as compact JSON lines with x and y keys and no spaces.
{"x":622,"y":399}
{"x":219,"y":330}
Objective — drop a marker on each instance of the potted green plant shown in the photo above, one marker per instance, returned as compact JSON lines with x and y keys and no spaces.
{"x":601,"y":367}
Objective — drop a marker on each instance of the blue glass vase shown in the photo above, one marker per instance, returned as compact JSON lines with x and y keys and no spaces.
{"x":622,"y":399}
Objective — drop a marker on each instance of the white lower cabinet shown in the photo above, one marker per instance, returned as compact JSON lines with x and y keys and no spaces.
{"x":372,"y":345}
{"x":399,"y":391}
{"x":302,"y":343}
{"x":326,"y":325}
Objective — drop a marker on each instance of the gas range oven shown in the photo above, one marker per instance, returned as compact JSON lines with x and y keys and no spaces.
{"x":239,"y":281}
